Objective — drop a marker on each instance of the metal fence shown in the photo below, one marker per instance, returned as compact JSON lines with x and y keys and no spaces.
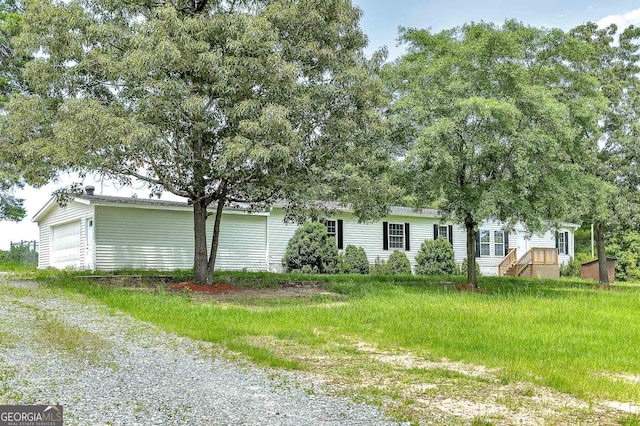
{"x":23,"y":252}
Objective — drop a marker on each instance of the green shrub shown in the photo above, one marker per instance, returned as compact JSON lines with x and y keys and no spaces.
{"x":626,"y":249}
{"x":398,"y":263}
{"x":463,"y":268}
{"x":571,"y":269}
{"x":311,"y":251}
{"x":435,"y":258}
{"x":379,"y":267}
{"x":354,"y":261}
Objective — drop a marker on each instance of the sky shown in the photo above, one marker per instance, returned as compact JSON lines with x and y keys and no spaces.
{"x":380,"y":21}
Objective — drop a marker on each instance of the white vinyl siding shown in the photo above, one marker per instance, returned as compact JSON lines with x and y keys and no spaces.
{"x":74,"y":212}
{"x":369,"y":236}
{"x":129,"y":237}
{"x":548,"y":239}
{"x":279,"y":235}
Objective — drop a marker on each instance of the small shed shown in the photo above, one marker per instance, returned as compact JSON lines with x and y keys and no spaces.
{"x":590,"y":269}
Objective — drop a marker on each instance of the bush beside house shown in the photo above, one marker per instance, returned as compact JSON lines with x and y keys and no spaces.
{"x":435,"y":258}
{"x":311,"y":251}
{"x":354,"y":261}
{"x":398,"y":263}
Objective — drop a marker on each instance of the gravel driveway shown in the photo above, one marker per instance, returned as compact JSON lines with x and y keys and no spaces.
{"x":107,"y":368}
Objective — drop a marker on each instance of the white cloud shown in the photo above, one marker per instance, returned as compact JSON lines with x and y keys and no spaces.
{"x":622,"y":20}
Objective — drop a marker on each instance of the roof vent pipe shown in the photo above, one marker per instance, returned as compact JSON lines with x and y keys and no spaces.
{"x":89,"y":189}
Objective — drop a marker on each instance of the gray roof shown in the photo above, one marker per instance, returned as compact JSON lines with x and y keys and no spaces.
{"x":395,"y":210}
{"x":132,"y":200}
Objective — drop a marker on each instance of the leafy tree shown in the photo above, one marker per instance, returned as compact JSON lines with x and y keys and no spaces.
{"x":311,"y":250}
{"x":11,"y":208}
{"x":612,"y":197}
{"x":398,"y":263}
{"x":436,"y":257}
{"x":217,"y":101}
{"x":495,"y":123}
{"x":10,"y":63}
{"x":626,"y":249}
{"x":355,"y":260}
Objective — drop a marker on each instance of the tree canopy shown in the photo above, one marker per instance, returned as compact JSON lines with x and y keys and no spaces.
{"x":219,"y":102}
{"x":496,"y":123}
{"x":11,"y":208}
{"x":612,"y":57}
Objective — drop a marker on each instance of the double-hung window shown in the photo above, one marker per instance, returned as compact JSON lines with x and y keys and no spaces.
{"x":443,"y":232}
{"x":331,"y":228}
{"x":396,"y":236}
{"x":498,"y":241}
{"x":335,"y":229}
{"x":562,"y":243}
{"x":485,"y":243}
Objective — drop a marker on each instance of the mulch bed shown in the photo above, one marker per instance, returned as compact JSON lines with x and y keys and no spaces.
{"x":215,"y":288}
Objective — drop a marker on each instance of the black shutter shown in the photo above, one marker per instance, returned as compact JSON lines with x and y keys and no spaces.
{"x":407,"y":247}
{"x":340,"y":235}
{"x":477,"y":243}
{"x":435,"y":232}
{"x":451,"y":235}
{"x":557,"y":243}
{"x":385,"y":236}
{"x":506,"y":242}
{"x":566,"y":243}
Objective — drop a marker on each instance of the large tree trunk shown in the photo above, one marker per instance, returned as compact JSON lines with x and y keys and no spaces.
{"x":200,"y":264}
{"x":472,"y":277}
{"x":214,"y":242}
{"x":603,"y":273}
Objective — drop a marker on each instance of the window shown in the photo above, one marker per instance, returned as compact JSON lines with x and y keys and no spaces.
{"x":498,"y":240}
{"x":443,"y":232}
{"x":331,"y":228}
{"x":485,"y":243}
{"x":335,"y":230}
{"x":562,"y":243}
{"x":396,"y":236}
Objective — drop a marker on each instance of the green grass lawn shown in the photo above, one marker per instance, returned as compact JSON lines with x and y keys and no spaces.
{"x":563,"y":334}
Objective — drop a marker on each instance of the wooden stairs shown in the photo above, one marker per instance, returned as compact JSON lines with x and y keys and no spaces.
{"x":536,"y":263}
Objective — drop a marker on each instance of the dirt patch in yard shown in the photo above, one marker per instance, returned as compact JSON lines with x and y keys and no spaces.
{"x":285,"y":295}
{"x":215,"y":288}
{"x":438,"y":391}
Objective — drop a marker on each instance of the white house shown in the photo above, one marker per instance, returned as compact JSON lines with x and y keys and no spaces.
{"x":96,"y":232}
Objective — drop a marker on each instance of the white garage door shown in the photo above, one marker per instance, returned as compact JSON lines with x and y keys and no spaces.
{"x":66,"y":245}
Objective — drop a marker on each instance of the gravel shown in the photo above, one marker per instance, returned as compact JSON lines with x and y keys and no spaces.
{"x":133,"y":373}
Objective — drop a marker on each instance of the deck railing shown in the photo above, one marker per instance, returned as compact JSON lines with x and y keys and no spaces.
{"x":544,"y":256}
{"x":509,"y":260}
{"x":537,"y":256}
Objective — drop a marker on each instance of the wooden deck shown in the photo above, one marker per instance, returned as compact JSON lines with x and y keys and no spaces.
{"x":536,"y":263}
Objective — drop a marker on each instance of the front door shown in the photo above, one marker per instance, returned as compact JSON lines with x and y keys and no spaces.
{"x":523,"y":243}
